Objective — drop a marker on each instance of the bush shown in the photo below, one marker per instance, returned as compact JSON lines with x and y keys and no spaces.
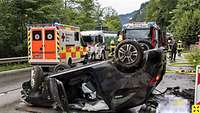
{"x":194,"y":56}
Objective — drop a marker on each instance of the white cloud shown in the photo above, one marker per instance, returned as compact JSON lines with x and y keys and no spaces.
{"x":122,"y":6}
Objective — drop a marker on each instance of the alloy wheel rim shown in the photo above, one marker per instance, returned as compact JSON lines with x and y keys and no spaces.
{"x":127,"y":54}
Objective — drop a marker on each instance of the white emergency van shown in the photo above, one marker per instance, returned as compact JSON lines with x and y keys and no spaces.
{"x":95,"y":41}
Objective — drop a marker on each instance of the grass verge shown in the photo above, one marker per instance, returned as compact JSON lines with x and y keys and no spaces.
{"x":181,"y":64}
{"x":8,"y":67}
{"x":194,"y":57}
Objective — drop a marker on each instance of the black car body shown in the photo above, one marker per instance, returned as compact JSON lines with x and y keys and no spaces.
{"x":120,"y":87}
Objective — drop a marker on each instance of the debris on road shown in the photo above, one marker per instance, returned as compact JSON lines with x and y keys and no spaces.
{"x":172,"y":100}
{"x":173,"y":104}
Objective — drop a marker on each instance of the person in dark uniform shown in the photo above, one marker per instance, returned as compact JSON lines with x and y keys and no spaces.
{"x":174,"y":50}
{"x":169,"y":46}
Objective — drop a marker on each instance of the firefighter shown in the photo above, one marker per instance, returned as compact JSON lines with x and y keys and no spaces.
{"x":174,"y":51}
{"x":179,"y":47}
{"x":119,"y":39}
{"x":169,"y":46}
{"x":112,"y":48}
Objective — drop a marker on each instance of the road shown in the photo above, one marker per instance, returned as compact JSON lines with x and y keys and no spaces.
{"x":182,"y":80}
{"x":10,"y":96}
{"x":10,"y":86}
{"x":10,"y":101}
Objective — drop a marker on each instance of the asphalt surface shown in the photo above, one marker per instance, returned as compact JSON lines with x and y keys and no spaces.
{"x":10,"y":86}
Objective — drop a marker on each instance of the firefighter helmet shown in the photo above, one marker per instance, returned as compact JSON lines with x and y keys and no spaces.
{"x":112,"y":42}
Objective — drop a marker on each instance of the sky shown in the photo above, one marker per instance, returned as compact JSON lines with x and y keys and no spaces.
{"x":122,"y":6}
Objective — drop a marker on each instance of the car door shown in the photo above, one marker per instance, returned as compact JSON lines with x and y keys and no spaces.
{"x":37,"y":44}
{"x":50,"y":43}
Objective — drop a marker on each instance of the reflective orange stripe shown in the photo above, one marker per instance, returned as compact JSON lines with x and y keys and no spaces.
{"x":73,"y":54}
{"x":63,"y":55}
{"x":68,"y":49}
{"x":78,"y":48}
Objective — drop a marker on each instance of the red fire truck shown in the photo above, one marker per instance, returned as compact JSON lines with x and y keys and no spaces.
{"x":148,"y":34}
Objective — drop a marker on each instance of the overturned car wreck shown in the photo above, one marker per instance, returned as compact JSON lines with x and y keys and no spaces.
{"x":124,"y":82}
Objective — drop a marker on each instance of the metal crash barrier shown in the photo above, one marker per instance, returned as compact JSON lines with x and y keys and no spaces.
{"x":13,"y":60}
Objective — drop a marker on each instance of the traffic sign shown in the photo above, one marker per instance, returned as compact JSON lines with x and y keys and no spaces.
{"x":197,"y":86}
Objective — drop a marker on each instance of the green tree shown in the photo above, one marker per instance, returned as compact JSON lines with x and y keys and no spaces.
{"x":99,"y":14}
{"x":185,"y":23}
{"x":81,"y":13}
{"x":16,"y":14}
{"x":160,"y":11}
{"x":7,"y":41}
{"x":111,"y":19}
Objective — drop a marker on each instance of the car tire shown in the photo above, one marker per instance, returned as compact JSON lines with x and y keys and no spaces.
{"x":60,"y":68}
{"x":128,"y":56}
{"x":146,"y":45}
{"x":36,"y":77}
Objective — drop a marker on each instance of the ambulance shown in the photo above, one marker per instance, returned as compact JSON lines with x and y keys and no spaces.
{"x":55,"y":47}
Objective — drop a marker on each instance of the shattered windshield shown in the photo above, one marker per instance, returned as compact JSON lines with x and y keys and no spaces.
{"x":137,"y":33}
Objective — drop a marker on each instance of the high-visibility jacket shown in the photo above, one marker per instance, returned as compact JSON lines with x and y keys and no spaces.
{"x":180,"y":46}
{"x":120,"y":38}
{"x":112,"y":44}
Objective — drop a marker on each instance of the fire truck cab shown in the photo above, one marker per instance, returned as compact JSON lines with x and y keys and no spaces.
{"x":55,"y":45}
{"x":148,"y":34}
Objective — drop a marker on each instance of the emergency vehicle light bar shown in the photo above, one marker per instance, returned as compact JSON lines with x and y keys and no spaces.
{"x":53,"y":25}
{"x":135,"y":25}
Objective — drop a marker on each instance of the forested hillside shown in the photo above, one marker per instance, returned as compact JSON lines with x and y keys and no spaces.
{"x":181,"y":17}
{"x":138,"y":15}
{"x":17,"y":14}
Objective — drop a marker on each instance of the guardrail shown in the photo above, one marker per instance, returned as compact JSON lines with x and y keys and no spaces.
{"x":13,"y":60}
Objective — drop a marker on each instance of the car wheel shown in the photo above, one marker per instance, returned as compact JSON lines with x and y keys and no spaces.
{"x":146,"y":45}
{"x":37,"y":77}
{"x":61,"y":67}
{"x":128,"y":55}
